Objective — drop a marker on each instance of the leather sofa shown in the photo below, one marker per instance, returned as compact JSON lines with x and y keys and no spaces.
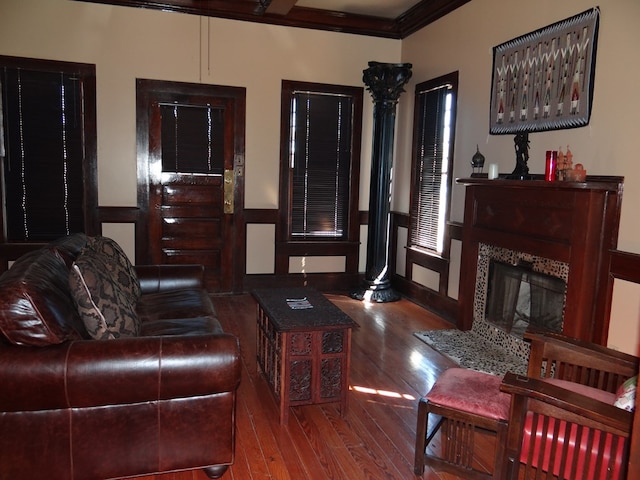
{"x":144,"y":383}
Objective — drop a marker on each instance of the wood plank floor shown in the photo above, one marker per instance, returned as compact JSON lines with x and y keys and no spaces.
{"x":390,"y":370}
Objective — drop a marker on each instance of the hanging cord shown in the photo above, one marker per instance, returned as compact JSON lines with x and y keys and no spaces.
{"x":65,"y":156}
{"x":23,"y":179}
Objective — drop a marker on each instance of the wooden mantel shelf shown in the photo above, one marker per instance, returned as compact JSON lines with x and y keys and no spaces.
{"x":571,"y":222}
{"x":593,"y":182}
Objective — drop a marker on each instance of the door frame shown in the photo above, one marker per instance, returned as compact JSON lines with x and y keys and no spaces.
{"x":148,"y":91}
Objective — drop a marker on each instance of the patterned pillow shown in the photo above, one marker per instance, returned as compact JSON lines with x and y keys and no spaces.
{"x":626,"y":394}
{"x":117,"y":264}
{"x":106,"y":310}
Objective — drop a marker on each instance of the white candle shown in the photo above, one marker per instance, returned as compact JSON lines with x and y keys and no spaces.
{"x":493,"y":171}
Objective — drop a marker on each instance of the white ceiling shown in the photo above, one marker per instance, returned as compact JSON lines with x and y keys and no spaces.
{"x":378,"y":8}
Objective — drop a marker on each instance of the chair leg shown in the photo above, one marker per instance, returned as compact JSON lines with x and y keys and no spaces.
{"x":421,"y":437}
{"x":501,"y":461}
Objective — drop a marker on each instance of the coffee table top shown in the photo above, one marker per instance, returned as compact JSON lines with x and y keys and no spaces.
{"x":300,"y":308}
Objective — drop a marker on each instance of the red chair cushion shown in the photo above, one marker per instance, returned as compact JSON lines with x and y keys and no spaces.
{"x":471,"y":391}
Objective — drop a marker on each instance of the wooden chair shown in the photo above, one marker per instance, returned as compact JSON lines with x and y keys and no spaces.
{"x":562,"y":422}
{"x":466,"y":404}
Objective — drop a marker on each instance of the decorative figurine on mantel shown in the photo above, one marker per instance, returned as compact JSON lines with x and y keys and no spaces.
{"x":477,"y":161}
{"x":565,"y":163}
{"x":521,"y":172}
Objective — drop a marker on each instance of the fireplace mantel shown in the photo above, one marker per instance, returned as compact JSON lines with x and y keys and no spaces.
{"x":570,"y":222}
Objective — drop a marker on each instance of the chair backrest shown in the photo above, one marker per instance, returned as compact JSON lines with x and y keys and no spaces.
{"x":555,"y":356}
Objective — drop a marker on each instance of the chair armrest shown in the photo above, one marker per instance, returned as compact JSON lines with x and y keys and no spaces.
{"x":558,"y":402}
{"x":159,"y":278}
{"x":91,"y":373}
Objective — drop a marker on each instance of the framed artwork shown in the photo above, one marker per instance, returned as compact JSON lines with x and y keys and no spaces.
{"x":544,"y":80}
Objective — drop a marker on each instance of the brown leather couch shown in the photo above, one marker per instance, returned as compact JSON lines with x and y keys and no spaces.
{"x":156,"y":397}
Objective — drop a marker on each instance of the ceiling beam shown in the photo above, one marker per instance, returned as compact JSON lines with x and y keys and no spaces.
{"x":281,"y":7}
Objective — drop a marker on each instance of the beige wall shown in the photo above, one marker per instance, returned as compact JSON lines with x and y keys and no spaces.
{"x":463,"y":41}
{"x":129,"y":43}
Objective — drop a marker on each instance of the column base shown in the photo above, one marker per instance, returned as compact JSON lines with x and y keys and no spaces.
{"x":378,"y":295}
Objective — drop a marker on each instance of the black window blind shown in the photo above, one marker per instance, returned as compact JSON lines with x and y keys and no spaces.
{"x":42,"y":147}
{"x":192,"y":139}
{"x":320,"y":159}
{"x":432,"y":151}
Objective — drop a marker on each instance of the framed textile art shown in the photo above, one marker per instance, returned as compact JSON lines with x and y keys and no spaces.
{"x":544,"y":80}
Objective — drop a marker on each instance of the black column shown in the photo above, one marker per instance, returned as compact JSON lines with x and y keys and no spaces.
{"x":385,"y":82}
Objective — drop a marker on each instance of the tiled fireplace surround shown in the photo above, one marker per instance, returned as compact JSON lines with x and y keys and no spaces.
{"x":486,"y":330}
{"x":562,"y":229}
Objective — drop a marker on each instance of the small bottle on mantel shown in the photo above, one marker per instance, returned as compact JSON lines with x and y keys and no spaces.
{"x":560,"y":172}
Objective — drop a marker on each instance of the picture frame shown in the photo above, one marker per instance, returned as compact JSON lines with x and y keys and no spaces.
{"x":544,"y":80}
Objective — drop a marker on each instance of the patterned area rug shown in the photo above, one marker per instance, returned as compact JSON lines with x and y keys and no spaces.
{"x":469,"y":350}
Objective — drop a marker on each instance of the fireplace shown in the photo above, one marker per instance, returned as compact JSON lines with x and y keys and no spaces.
{"x":557,"y":235}
{"x":516,"y":290}
{"x":518,"y":297}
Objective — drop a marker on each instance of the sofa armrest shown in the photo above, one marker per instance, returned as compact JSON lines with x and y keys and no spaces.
{"x":159,"y":278}
{"x":130,"y":370}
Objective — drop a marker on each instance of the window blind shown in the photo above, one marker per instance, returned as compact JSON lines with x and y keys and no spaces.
{"x":192,"y":139}
{"x":320,"y":159}
{"x":43,"y":161}
{"x":432,"y":151}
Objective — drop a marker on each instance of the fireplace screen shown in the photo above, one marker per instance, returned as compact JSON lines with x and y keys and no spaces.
{"x":519,"y":297}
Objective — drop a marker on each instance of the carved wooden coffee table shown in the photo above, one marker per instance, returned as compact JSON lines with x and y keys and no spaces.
{"x":303,"y":347}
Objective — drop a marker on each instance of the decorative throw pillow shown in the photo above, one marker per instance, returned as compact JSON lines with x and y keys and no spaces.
{"x":117,"y":264}
{"x":106,"y":310}
{"x":626,"y":394}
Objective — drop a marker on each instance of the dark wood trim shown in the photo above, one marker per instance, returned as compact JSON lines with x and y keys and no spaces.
{"x":118,"y":215}
{"x":326,"y":282}
{"x":422,"y":14}
{"x":437,"y":301}
{"x":261,"y":215}
{"x":455,"y":230}
{"x":625,"y":266}
{"x":442,"y":305}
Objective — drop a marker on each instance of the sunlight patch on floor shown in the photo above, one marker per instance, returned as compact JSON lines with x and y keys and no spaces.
{"x":382,"y":393}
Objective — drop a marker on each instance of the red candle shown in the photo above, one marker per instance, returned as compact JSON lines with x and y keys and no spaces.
{"x":550,"y":166}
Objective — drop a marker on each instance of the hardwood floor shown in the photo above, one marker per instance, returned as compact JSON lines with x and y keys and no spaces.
{"x":390,"y":370}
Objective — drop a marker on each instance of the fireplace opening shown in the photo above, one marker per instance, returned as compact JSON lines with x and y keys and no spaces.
{"x":519,"y":297}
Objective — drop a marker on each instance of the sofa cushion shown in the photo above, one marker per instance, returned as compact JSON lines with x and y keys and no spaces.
{"x":36,"y":307}
{"x":206,"y":325}
{"x":106,"y":308}
{"x":117,"y":264}
{"x":185,"y":303}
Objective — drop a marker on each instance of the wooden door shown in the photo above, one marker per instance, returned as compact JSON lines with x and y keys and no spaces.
{"x":195,"y":170}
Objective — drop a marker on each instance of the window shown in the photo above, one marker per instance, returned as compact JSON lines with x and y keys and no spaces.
{"x":434,"y":127}
{"x":320,"y":160}
{"x":192,"y":138}
{"x":47,"y":145}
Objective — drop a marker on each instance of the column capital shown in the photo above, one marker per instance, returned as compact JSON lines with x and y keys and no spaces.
{"x":385,"y":80}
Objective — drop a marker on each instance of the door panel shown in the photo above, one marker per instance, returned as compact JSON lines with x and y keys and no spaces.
{"x":187,"y":222}
{"x":193,"y":225}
